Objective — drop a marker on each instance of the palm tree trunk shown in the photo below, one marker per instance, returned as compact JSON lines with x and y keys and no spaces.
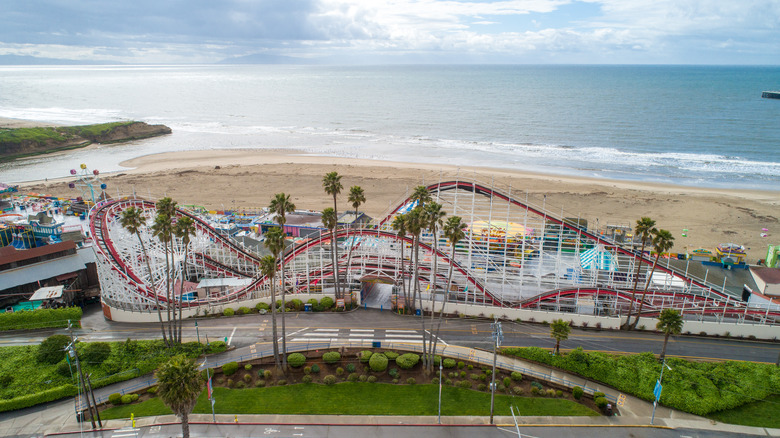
{"x":444,"y":303}
{"x":185,"y":425}
{"x":168,"y":293}
{"x":284,"y":311}
{"x":644,"y":293}
{"x":418,"y":293}
{"x":181,"y":289}
{"x":633,"y":289}
{"x":403,"y":277}
{"x":416,"y":275}
{"x":273,"y":325}
{"x":152,"y":288}
{"x":333,"y":264}
{"x":336,"y":249}
{"x":663,"y":350}
{"x":433,"y":296}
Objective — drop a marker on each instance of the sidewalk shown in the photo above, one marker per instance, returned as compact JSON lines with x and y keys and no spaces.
{"x":60,"y":416}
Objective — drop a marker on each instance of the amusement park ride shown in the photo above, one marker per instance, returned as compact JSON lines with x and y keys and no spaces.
{"x":515,"y":255}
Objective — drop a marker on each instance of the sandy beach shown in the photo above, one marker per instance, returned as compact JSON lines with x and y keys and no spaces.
{"x":235,"y":179}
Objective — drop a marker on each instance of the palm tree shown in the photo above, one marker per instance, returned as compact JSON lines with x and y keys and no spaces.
{"x":356,"y":197}
{"x":179,"y":384}
{"x":163,"y":230}
{"x":663,"y":241}
{"x":331,"y":182}
{"x":132,"y":220}
{"x":184,"y":229}
{"x":399,"y":226}
{"x":670,"y":322}
{"x":645,"y":227}
{"x":329,"y":220}
{"x":414,"y":225}
{"x":453,"y":231}
{"x":559,"y":330}
{"x":281,"y":205}
{"x":274,"y":241}
{"x":434,"y":215}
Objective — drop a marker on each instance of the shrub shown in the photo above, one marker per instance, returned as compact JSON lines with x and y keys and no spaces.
{"x":393,"y":372}
{"x":352,"y":377}
{"x":448,"y":382}
{"x":391,"y":355}
{"x":598,"y":394}
{"x":244,"y":310}
{"x":330,"y":357}
{"x":535,"y":390}
{"x":115,"y":399}
{"x":601,"y":402}
{"x":240,"y":384}
{"x":372,"y":379}
{"x":434,"y":380}
{"x":395,"y":381}
{"x":230,"y":368}
{"x":550,"y":393}
{"x":516,"y":390}
{"x":411,"y":381}
{"x":471,"y":367}
{"x":378,"y":362}
{"x":350,"y":368}
{"x":230,"y":383}
{"x":248,"y":367}
{"x":259,"y":383}
{"x":306,"y":379}
{"x":152,"y":390}
{"x":127,"y":399}
{"x":461,"y":365}
{"x":267,"y":374}
{"x":507,"y":382}
{"x":330,"y":379}
{"x":228,"y":312}
{"x":326,"y":302}
{"x":537,"y":385}
{"x":465,"y":384}
{"x":247,"y":378}
{"x":365,"y":356}
{"x":281,"y":382}
{"x":339,"y":371}
{"x":307,"y":370}
{"x":474,"y":376}
{"x":296,"y":360}
{"x":51,"y":349}
{"x":315,"y":368}
{"x":63,"y":369}
{"x":462,"y":374}
{"x":558,"y":393}
{"x":95,"y":353}
{"x":262,"y":306}
{"x":577,"y":392}
{"x":483,"y":377}
{"x":482,"y":387}
{"x":407,"y":361}
{"x":448,"y":363}
{"x":296,"y":304}
{"x":516,"y":376}
{"x":205,"y":374}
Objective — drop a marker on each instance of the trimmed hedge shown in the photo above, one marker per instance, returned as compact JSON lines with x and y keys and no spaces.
{"x":330,"y":357}
{"x":39,"y":318}
{"x":365,"y":355}
{"x":51,"y":350}
{"x":695,"y":387}
{"x":407,"y":360}
{"x":230,"y":368}
{"x":26,"y":401}
{"x":296,"y":360}
{"x":228,"y":312}
{"x":378,"y":362}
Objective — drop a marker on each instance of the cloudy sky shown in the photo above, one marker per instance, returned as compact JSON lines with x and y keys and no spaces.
{"x":395,"y":31}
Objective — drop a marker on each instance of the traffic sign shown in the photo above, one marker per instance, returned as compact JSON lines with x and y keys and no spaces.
{"x":657,"y":390}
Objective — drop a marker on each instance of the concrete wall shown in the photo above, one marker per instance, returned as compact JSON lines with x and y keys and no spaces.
{"x":144,"y":317}
{"x":712,"y":328}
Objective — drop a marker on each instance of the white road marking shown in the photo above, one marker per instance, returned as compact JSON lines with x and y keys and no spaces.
{"x":326,"y":330}
{"x":231,"y":335}
{"x":401,"y":331}
{"x":362,"y":330}
{"x":318,"y":334}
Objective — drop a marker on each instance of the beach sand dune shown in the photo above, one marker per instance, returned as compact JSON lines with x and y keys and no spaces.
{"x":235,"y":179}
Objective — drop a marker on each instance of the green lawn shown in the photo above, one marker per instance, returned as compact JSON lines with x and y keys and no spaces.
{"x":764,"y":413}
{"x":361,"y":399}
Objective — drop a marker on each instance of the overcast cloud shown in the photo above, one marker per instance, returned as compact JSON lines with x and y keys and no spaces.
{"x":396,"y":31}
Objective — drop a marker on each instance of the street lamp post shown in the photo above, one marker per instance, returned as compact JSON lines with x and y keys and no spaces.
{"x":197,"y":332}
{"x":441,"y":376}
{"x":498,"y":336}
{"x":658,"y":388}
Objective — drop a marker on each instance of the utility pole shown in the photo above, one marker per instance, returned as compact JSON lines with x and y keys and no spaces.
{"x":94,"y":402}
{"x":498,"y":337}
{"x":72,"y":352}
{"x":441,"y":377}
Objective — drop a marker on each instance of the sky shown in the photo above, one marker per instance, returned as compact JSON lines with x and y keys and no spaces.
{"x":394,"y":31}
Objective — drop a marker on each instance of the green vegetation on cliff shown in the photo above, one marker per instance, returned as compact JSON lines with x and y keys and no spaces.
{"x":23,"y":142}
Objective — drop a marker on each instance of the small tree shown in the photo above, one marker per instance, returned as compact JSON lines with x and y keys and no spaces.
{"x":331,"y":183}
{"x":560,"y":330}
{"x":645,"y":227}
{"x":670,"y":322}
{"x":179,"y":385}
{"x":268,"y":268}
{"x":662,"y":241}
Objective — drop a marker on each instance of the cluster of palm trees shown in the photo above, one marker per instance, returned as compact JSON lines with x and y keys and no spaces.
{"x":662,"y":241}
{"x":167,"y":228}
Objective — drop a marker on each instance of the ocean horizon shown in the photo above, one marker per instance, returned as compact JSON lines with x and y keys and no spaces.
{"x":699,"y":126}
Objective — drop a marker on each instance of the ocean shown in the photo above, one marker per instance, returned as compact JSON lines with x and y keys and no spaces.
{"x":702,"y":126}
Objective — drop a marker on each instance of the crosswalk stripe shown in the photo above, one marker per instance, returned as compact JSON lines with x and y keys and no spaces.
{"x":400,"y":331}
{"x":326,"y":330}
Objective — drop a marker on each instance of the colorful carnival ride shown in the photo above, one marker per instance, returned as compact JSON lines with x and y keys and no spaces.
{"x":515,"y":254}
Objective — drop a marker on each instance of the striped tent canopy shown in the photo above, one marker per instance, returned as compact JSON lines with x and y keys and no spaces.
{"x":598,"y":258}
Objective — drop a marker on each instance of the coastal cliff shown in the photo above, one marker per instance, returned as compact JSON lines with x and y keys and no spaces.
{"x":24,"y":142}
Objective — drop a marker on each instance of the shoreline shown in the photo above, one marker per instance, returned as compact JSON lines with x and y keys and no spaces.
{"x":235,"y":178}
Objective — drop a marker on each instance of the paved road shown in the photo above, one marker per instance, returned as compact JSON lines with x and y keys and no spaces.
{"x":375,"y":325}
{"x":361,"y":431}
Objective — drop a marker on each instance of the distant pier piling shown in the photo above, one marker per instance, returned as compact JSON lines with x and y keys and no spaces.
{"x":771,"y":94}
